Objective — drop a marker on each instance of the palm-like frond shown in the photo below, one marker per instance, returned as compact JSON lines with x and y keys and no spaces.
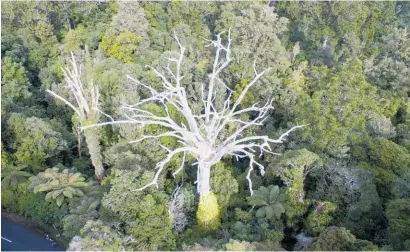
{"x":271,"y":201}
{"x":12,"y":175}
{"x":58,"y":185}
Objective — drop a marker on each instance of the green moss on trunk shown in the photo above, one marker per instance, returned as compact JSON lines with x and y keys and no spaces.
{"x":93,"y":144}
{"x":208,"y":215}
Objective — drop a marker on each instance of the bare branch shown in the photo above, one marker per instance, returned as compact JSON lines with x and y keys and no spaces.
{"x":251,"y":163}
{"x":73,"y":79}
{"x":106,"y":123}
{"x":181,"y":166}
{"x":217,"y":68}
{"x":282,"y":137}
{"x":245,"y":90}
{"x":86,"y":98}
{"x":85,"y":106}
{"x":64,"y":100}
{"x":107,"y":115}
{"x":160,"y":166}
{"x":202,"y":135}
{"x":153,"y":91}
{"x":169,"y":134}
{"x":262,"y":110}
{"x":165,"y":82}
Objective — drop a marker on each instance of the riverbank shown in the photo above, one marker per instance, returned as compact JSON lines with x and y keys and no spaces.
{"x":35,"y":227}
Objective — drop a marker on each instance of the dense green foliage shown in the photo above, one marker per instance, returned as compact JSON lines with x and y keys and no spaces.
{"x":13,"y":175}
{"x":342,"y":182}
{"x":270,"y":201}
{"x":58,"y":185}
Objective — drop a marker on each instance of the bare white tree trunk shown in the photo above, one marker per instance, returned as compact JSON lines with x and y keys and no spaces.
{"x":85,"y":105}
{"x":204,"y":176}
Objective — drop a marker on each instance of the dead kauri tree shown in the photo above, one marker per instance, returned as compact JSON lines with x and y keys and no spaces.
{"x":83,"y":99}
{"x":204,"y":135}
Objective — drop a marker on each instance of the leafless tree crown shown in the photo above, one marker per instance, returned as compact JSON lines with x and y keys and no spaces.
{"x":202,"y":136}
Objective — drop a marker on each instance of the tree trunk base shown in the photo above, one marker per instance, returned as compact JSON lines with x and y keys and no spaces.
{"x":208,"y":214}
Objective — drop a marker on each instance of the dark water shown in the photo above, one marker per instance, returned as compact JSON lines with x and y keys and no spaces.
{"x":23,"y":239}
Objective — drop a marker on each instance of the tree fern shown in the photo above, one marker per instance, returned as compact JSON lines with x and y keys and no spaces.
{"x":271,"y":201}
{"x":58,"y":185}
{"x":12,"y":175}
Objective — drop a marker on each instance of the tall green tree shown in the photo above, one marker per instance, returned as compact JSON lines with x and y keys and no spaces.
{"x":127,"y":35}
{"x":398,"y":212}
{"x":95,"y":235}
{"x":35,"y":141}
{"x":14,"y":81}
{"x":81,"y":210}
{"x":344,"y":101}
{"x":293,"y":168}
{"x":148,"y":222}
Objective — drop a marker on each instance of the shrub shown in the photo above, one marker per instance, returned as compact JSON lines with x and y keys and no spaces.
{"x":332,"y":239}
{"x":398,"y":215}
{"x":122,"y":46}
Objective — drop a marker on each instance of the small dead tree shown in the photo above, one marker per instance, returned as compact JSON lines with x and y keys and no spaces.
{"x":204,"y":137}
{"x":85,"y":105}
{"x":176,"y":209}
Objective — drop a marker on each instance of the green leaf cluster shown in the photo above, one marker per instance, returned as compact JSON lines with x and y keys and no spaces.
{"x":81,"y":210}
{"x":270,"y":200}
{"x":98,"y":236}
{"x":320,"y":217}
{"x":398,"y":215}
{"x":13,"y":175}
{"x":58,"y":185}
{"x":35,"y":141}
{"x":122,"y":46}
{"x":148,"y":221}
{"x":223,"y":184}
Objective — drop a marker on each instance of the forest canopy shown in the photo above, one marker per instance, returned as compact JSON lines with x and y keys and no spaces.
{"x":194,"y":125}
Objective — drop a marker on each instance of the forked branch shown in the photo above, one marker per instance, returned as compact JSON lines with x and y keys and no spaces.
{"x":205,"y":136}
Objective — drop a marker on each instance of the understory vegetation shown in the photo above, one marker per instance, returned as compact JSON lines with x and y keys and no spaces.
{"x":336,"y":175}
